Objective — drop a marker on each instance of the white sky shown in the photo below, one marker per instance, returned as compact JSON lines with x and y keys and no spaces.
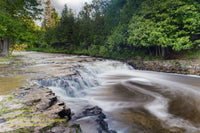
{"x":75,"y":5}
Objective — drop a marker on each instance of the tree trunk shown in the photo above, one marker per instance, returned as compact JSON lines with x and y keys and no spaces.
{"x":150,"y":51}
{"x":163,"y":52}
{"x":4,"y":46}
{"x":159,"y":51}
{"x":13,"y":47}
{"x":1,"y":45}
{"x":156,"y":51}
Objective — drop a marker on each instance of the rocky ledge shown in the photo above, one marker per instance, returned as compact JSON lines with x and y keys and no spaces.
{"x":170,"y":66}
{"x":96,"y":116}
{"x":35,"y":109}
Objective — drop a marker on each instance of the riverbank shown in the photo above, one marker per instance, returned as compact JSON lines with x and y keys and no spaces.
{"x":35,"y":109}
{"x":6,"y":60}
{"x":184,"y":66}
{"x":188,"y":65}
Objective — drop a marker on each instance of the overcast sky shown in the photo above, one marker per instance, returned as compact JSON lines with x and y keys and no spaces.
{"x":76,"y":5}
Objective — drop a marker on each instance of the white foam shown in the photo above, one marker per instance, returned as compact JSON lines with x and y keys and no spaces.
{"x":159,"y":108}
{"x":195,"y":76}
{"x":110,"y":72}
{"x":58,"y":91}
{"x":110,"y":106}
{"x":1,"y":98}
{"x":142,"y":81}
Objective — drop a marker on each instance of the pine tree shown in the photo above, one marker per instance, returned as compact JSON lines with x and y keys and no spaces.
{"x":47,"y":17}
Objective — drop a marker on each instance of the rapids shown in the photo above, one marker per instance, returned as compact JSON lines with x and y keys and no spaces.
{"x":132,"y":100}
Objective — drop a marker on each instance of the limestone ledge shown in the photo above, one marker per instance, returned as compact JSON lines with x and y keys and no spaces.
{"x":35,"y":109}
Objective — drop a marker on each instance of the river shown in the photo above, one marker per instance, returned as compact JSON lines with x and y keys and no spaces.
{"x":132,"y":100}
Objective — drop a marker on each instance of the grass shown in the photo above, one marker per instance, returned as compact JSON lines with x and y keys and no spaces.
{"x":45,"y":129}
{"x":193,"y":54}
{"x":4,"y":109}
{"x":6,"y":59}
{"x":10,"y":97}
{"x":47,"y":50}
{"x":23,"y":130}
{"x":154,"y":58}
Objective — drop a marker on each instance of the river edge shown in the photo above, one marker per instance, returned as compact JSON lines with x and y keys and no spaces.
{"x":35,"y":109}
{"x":184,"y":66}
{"x":179,"y":66}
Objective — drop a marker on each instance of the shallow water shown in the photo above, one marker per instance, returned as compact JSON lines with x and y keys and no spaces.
{"x":133,"y":101}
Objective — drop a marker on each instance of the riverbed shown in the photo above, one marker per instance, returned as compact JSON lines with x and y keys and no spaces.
{"x":131,"y":100}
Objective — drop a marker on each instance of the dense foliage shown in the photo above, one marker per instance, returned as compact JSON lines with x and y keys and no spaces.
{"x":107,"y":28}
{"x":16,"y":21}
{"x":128,"y":28}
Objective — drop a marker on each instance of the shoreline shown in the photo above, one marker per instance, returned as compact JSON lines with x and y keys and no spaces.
{"x":179,"y":66}
{"x":35,"y":109}
{"x":28,"y":106}
{"x":186,"y":67}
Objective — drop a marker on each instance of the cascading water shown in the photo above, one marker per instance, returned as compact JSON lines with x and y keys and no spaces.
{"x":130,"y":98}
{"x":133,"y":101}
{"x":86,"y":77}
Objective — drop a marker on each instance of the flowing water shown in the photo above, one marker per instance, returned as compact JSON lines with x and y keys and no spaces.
{"x":133,"y":101}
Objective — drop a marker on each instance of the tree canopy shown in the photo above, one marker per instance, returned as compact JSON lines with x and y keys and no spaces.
{"x":16,"y":20}
{"x":127,"y":28}
{"x":107,"y":28}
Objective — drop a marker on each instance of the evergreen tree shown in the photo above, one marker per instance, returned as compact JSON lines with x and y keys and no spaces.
{"x":127,"y":28}
{"x":16,"y":18}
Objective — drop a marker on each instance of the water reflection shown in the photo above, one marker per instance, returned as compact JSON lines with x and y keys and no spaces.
{"x":9,"y":83}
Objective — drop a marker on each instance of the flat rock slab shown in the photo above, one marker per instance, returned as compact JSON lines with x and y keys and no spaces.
{"x":34,"y":109}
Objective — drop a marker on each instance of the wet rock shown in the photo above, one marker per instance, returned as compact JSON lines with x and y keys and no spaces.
{"x":103,"y":125}
{"x":2,"y":120}
{"x":22,"y":88}
{"x":76,"y":128}
{"x":36,"y":100}
{"x":96,"y":113}
{"x":22,"y":94}
{"x":52,"y":99}
{"x":46,"y":103}
{"x":29,"y":103}
{"x":61,"y":103}
{"x":170,"y":66}
{"x":92,"y":111}
{"x":65,"y":112}
{"x":101,"y":116}
{"x":27,"y":88}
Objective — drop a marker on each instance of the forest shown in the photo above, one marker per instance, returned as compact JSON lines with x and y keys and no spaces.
{"x":121,"y":29}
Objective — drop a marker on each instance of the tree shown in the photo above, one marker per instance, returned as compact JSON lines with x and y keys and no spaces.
{"x":127,"y":28}
{"x":47,"y":17}
{"x":65,"y":28}
{"x":165,"y":24}
{"x":15,"y":18}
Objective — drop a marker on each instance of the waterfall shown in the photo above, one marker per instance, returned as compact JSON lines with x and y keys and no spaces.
{"x":116,"y":86}
{"x":86,"y":77}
